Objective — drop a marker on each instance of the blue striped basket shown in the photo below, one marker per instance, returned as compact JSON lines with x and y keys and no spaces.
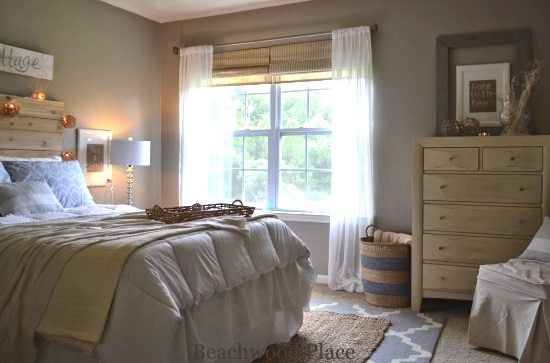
{"x":386,"y":273}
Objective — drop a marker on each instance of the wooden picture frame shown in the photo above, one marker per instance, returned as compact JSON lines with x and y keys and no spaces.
{"x":520,"y":38}
{"x":479,"y":90}
{"x":94,"y":155}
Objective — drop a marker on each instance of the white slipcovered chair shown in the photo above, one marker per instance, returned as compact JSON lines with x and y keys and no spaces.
{"x":511,"y":305}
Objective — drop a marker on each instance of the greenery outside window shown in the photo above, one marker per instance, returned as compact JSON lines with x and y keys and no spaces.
{"x":281,"y":154}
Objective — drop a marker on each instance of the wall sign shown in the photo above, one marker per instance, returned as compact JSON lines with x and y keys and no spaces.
{"x":479,"y":90}
{"x":26,"y":62}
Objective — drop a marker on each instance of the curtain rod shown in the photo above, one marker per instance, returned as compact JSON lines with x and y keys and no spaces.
{"x":373,"y":29}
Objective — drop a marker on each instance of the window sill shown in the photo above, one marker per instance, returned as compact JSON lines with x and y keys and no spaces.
{"x":302,"y":217}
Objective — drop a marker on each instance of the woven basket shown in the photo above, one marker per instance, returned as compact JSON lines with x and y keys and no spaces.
{"x":386,"y":273}
{"x":198,"y":211}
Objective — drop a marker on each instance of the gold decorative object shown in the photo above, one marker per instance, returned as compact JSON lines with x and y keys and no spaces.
{"x":38,"y":95}
{"x":9,"y":109}
{"x":67,"y":155}
{"x":68,"y":121}
{"x":451,"y":128}
{"x":484,"y":134}
{"x":470,"y":127}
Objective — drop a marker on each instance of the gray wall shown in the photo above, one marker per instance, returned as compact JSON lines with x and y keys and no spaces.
{"x":107,"y":70}
{"x":404,"y":66}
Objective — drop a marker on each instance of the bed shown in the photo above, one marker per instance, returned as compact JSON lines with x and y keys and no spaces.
{"x":81,"y":282}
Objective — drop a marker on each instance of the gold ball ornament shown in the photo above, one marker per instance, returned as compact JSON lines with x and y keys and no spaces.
{"x":470,"y":127}
{"x":68,"y":121}
{"x":451,"y":128}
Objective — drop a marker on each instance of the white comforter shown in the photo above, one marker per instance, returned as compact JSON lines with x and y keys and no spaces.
{"x":152,"y":317}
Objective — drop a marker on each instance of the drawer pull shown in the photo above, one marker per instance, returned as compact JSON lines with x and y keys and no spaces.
{"x":521,"y":189}
{"x":521,"y":221}
{"x":443,"y":186}
{"x":441,"y":248}
{"x":512,"y":158}
{"x":442,"y":218}
{"x":442,"y":278}
{"x":451,"y":158}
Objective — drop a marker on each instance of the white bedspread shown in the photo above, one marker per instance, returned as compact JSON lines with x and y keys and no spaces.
{"x":168,"y":279}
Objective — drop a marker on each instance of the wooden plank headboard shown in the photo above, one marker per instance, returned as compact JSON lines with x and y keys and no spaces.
{"x":37,"y":130}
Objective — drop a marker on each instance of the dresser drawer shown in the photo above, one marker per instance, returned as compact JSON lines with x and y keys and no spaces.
{"x":517,"y":221}
{"x":466,"y":249}
{"x":483,"y":188}
{"x":447,"y":158}
{"x":449,"y":278}
{"x":512,"y":159}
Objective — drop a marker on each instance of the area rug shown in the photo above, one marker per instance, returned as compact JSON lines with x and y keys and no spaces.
{"x":412,"y":337}
{"x":329,"y":337}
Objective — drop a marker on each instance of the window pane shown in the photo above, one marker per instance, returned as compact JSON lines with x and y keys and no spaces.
{"x":255,"y":188}
{"x":238,"y":152}
{"x":293,"y":109}
{"x":319,"y":190}
{"x":237,"y":185}
{"x":318,"y":152}
{"x":293,"y":152}
{"x":292,"y":191}
{"x":319,"y":109}
{"x":258,"y":114}
{"x":255,"y":152}
{"x":228,"y":104}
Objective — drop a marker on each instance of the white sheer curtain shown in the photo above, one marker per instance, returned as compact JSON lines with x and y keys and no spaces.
{"x":352,"y":155}
{"x":205,"y":140}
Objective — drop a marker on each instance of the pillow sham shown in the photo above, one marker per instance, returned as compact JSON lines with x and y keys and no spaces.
{"x":539,"y":247}
{"x":65,"y":179}
{"x":4,"y":176}
{"x":27,"y":198}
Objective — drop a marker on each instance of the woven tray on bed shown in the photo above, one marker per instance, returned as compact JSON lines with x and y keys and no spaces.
{"x":198,"y":211}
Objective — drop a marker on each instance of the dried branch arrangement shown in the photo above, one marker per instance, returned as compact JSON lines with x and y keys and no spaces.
{"x":526,"y":82}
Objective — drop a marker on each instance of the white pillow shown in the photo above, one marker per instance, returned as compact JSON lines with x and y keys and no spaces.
{"x":539,"y":247}
{"x":27,"y":198}
{"x":17,"y":158}
{"x":4,"y":176}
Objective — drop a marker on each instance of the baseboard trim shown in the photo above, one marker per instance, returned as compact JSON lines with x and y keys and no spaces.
{"x":322,"y":279}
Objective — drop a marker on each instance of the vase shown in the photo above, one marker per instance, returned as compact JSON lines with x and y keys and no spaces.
{"x":506,"y":112}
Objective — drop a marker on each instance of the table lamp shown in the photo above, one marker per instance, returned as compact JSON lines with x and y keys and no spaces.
{"x":130,"y":153}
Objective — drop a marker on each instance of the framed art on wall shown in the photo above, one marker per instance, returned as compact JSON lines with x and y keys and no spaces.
{"x":479,"y":90}
{"x":480,"y":46}
{"x":94,"y":155}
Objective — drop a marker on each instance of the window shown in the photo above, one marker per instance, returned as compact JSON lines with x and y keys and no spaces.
{"x":281,"y":157}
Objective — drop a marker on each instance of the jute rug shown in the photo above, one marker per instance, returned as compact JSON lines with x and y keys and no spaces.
{"x":330,"y":337}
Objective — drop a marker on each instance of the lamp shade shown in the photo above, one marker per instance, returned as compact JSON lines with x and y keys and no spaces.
{"x":126,"y":152}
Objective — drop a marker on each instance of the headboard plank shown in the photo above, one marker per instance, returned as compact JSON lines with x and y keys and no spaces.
{"x":36,"y":108}
{"x":30,"y":124}
{"x":29,"y":153}
{"x":30,"y":140}
{"x":35,"y":132}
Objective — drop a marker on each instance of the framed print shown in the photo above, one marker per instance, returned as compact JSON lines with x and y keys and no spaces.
{"x":479,"y":90}
{"x":94,"y":155}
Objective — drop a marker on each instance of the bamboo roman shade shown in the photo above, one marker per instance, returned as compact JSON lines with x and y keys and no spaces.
{"x":306,"y":61}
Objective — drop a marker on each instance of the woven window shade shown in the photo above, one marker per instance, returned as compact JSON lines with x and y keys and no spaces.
{"x":295,"y":62}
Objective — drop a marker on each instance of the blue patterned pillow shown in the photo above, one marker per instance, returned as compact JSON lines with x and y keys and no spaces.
{"x":4,"y":176}
{"x":27,"y":198}
{"x":64,"y":178}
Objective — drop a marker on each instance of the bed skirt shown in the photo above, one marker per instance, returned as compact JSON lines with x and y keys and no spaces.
{"x":236,"y":325}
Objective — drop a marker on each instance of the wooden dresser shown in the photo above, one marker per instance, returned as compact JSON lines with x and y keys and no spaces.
{"x":476,"y":200}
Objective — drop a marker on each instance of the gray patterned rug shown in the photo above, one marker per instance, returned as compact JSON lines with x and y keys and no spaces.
{"x":411,"y":337}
